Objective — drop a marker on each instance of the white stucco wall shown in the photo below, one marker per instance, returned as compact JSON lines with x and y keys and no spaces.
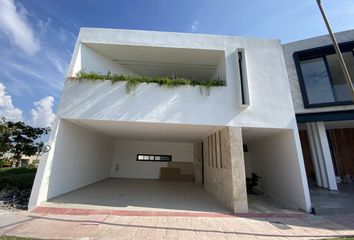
{"x":290,"y":49}
{"x":267,"y":80}
{"x":78,"y":157}
{"x":275,"y":159}
{"x":126,"y":153}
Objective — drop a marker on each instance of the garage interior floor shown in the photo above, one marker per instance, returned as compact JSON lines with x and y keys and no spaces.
{"x":154,"y":195}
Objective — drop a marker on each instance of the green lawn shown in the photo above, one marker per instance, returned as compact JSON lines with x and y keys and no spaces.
{"x":15,"y":238}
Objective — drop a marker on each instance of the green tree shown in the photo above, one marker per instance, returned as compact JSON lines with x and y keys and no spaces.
{"x":20,"y":139}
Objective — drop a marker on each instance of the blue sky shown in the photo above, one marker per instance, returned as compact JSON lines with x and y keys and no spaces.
{"x":37,"y":37}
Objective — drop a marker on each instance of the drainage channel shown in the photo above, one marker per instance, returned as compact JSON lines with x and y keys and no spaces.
{"x":280,"y":225}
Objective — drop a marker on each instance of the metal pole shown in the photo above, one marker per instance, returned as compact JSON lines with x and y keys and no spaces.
{"x":336,"y":47}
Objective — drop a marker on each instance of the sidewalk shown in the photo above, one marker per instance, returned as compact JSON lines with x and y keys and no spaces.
{"x":149,"y":226}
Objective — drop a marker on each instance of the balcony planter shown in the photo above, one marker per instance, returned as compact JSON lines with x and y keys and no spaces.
{"x":133,"y":81}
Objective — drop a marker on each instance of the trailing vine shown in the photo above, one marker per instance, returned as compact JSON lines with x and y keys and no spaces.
{"x":133,"y":81}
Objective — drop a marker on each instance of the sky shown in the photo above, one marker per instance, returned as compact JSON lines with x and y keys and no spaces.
{"x":37,"y":37}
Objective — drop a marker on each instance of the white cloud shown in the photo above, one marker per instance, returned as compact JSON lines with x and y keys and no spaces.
{"x":14,"y":23}
{"x":194,"y":25}
{"x":42,"y":114}
{"x":7,"y":109}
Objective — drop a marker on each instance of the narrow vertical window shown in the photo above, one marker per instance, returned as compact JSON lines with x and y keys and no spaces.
{"x":208,"y":151}
{"x":215,"y":150}
{"x":220,"y":147}
{"x":243,"y":77}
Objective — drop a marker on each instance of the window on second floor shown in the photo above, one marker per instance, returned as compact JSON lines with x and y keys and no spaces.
{"x":321,"y":78}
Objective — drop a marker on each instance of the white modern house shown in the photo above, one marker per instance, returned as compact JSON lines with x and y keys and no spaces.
{"x":217,"y":135}
{"x":323,"y":106}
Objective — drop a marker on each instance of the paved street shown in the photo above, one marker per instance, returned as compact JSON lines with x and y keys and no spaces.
{"x":140,"y":225}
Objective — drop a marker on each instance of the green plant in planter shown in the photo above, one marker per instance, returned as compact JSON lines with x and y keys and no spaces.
{"x":131,"y":85}
{"x":168,"y":81}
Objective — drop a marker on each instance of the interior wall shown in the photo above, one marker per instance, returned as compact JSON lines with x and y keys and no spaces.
{"x":91,"y":60}
{"x":306,"y":152}
{"x":220,"y":71}
{"x":125,"y":164}
{"x":342,"y":143}
{"x":224,"y":172}
{"x":275,"y":159}
{"x":79,"y":157}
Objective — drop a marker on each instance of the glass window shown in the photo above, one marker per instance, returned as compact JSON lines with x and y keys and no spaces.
{"x":165,"y":158}
{"x":349,"y":61}
{"x":152,"y":157}
{"x":340,"y":86}
{"x":317,"y":82}
{"x":321,"y":77}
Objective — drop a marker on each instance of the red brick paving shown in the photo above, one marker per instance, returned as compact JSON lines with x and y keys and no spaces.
{"x":135,"y":213}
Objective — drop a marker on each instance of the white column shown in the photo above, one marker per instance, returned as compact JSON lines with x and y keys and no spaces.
{"x":315,"y":158}
{"x":321,"y":155}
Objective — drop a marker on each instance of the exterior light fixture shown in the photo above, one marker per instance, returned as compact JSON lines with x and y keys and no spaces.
{"x":46,"y":148}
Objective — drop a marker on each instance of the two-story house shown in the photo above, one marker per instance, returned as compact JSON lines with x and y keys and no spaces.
{"x":142,"y":106}
{"x":323,"y":106}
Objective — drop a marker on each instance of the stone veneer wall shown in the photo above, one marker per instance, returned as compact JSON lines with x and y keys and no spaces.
{"x":224,"y":170}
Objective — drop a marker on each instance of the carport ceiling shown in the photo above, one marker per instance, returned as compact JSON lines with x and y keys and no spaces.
{"x":138,"y":131}
{"x":254,"y":134}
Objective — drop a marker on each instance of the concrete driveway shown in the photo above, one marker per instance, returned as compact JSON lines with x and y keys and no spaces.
{"x":154,"y":195}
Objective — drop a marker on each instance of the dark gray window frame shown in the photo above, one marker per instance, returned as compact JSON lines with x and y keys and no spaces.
{"x":154,"y":155}
{"x":242,"y":81}
{"x":320,"y":52}
{"x":325,"y":116}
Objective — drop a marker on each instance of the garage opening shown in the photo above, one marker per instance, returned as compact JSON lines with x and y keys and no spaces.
{"x":338,"y":139}
{"x":169,"y":167}
{"x":128,"y":166}
{"x":272,"y":154}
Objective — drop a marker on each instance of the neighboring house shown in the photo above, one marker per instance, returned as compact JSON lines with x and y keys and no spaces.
{"x":323,"y":106}
{"x":247,"y":126}
{"x":29,"y":160}
{"x":25,"y":160}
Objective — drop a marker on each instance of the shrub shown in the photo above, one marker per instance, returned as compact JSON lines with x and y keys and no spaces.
{"x":20,"y":178}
